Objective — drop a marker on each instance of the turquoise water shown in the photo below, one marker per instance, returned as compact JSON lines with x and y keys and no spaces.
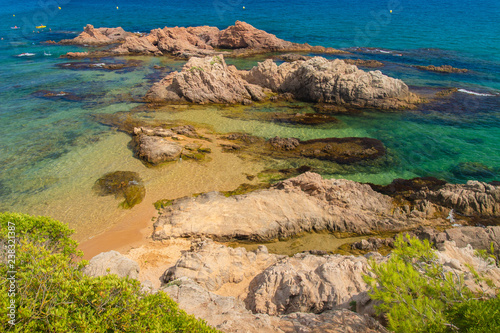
{"x":437,"y":139}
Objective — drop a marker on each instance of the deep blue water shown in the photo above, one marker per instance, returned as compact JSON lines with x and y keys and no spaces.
{"x":434,"y":140}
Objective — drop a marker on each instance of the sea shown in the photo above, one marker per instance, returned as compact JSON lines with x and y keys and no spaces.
{"x":52,"y":150}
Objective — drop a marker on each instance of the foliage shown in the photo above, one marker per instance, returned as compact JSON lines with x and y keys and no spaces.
{"x":488,"y":255}
{"x":417,"y":295}
{"x":53,"y":295}
{"x":196,"y":68}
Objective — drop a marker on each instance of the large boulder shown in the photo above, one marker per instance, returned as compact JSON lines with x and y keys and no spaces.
{"x":156,"y":149}
{"x":335,"y":82}
{"x":205,"y":80}
{"x":112,"y":262}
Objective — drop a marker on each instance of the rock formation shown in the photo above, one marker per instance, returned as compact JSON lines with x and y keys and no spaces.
{"x":205,"y":80}
{"x":97,"y":37}
{"x":308,"y":283}
{"x":309,"y":202}
{"x":230,"y":315}
{"x":112,"y":262}
{"x":212,"y":265}
{"x":210,"y":80}
{"x":156,"y":145}
{"x":182,"y":42}
{"x":472,"y":199}
{"x":334,"y":82}
{"x":304,"y":203}
{"x":478,"y":237}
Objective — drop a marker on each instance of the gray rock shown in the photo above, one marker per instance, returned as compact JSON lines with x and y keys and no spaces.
{"x":156,"y":149}
{"x":112,"y":262}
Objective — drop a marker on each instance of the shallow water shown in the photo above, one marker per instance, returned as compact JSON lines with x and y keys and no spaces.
{"x":52,"y":149}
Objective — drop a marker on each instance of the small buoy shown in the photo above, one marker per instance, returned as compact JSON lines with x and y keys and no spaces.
{"x":59,"y":8}
{"x":14,"y":15}
{"x":390,"y":11}
{"x":116,"y":7}
{"x":243,"y":7}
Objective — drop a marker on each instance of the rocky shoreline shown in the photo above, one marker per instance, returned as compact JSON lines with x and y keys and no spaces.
{"x":236,"y":290}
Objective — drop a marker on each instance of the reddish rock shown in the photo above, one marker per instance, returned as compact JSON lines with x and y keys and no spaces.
{"x":100,"y":36}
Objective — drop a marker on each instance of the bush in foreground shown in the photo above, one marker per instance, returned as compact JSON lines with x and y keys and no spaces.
{"x":417,"y":295}
{"x":53,"y":295}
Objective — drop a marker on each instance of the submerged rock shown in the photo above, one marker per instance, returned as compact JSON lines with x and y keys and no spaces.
{"x":364,"y":63}
{"x":129,"y":64}
{"x":442,"y":69}
{"x":126,"y":184}
{"x":305,"y":118}
{"x":64,"y":95}
{"x":339,"y":150}
{"x":473,"y":170}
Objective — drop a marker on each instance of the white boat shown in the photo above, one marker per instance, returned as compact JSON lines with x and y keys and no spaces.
{"x":26,"y":54}
{"x":47,"y":54}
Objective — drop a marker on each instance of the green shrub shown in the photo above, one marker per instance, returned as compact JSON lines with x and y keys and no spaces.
{"x":53,"y":295}
{"x":417,"y":295}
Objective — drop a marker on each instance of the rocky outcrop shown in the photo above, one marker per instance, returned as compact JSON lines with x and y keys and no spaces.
{"x":230,"y":315}
{"x":242,"y":38}
{"x":334,"y":82}
{"x":304,"y":203}
{"x":478,"y":237}
{"x":308,"y":283}
{"x":212,"y":265}
{"x":210,"y":80}
{"x":181,"y":42}
{"x":458,"y":260}
{"x":97,"y":37}
{"x":472,"y":199}
{"x":112,"y":262}
{"x":205,"y":80}
{"x":442,"y":69}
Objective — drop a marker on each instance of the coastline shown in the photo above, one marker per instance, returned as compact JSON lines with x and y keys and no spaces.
{"x":240,"y":227}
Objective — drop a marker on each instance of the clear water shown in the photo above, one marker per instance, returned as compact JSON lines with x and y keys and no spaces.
{"x":52,"y":150}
